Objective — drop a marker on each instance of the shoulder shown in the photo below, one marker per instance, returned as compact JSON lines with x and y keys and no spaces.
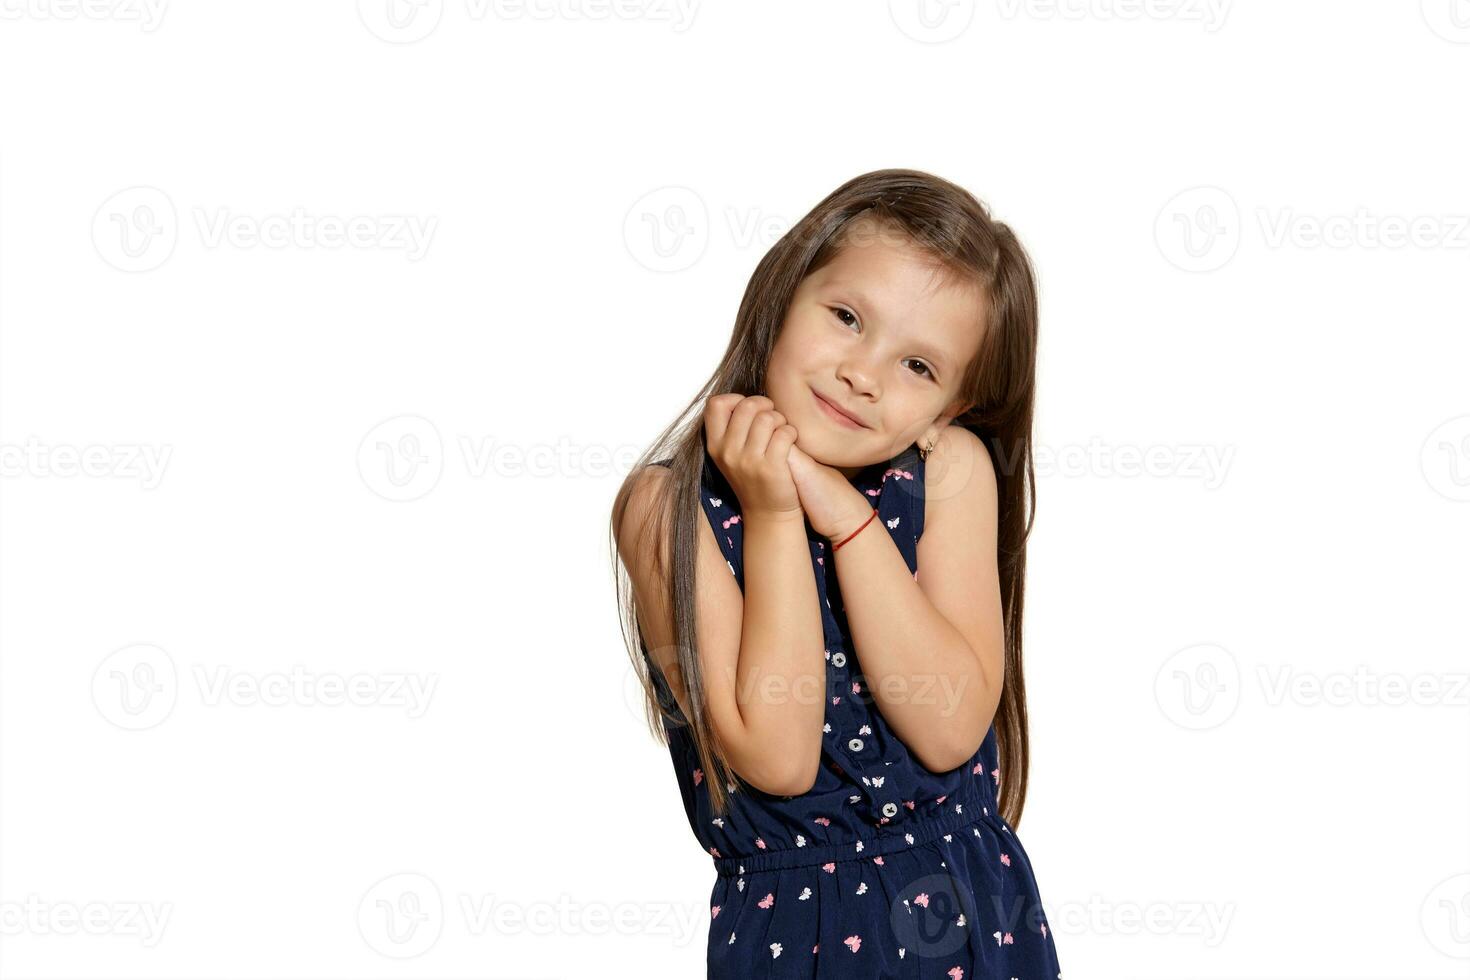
{"x":644,"y":501}
{"x":959,"y":476}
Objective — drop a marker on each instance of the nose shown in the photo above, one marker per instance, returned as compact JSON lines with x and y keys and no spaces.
{"x":860,"y":377}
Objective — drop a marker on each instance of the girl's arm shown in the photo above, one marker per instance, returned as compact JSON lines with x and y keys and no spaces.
{"x":933,"y":655}
{"x":760,"y":653}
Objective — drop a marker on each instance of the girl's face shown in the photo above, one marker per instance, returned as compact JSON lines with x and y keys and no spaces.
{"x":876,"y":334}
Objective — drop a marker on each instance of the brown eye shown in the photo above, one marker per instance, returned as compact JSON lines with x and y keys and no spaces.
{"x":840,"y":312}
{"x":927,"y":373}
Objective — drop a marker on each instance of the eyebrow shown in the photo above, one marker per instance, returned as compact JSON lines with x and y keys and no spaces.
{"x":922,"y":346}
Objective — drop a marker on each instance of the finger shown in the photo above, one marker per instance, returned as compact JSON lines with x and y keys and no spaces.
{"x":738,"y":433}
{"x":783,"y":442}
{"x":717,"y":418}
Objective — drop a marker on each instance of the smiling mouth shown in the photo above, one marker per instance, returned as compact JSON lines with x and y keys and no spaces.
{"x":837,"y":414}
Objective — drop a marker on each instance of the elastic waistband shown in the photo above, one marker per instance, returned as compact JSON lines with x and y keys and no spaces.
{"x":922,"y":832}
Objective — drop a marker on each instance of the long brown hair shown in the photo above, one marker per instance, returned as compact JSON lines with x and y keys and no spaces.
{"x":999,"y":384}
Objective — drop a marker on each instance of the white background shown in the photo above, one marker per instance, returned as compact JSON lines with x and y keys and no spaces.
{"x":390,"y":462}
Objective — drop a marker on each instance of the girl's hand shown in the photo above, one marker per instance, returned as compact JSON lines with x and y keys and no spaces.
{"x":834,"y":506}
{"x":749,"y":440}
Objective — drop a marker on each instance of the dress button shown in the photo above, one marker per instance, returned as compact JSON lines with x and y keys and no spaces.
{"x":839,"y":659}
{"x":856,"y":744}
{"x":890,"y":808}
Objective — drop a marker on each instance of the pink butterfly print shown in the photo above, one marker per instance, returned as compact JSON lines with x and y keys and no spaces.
{"x":837,"y":700}
{"x":958,"y":972}
{"x":760,"y":843}
{"x":909,"y":804}
{"x":731,"y":520}
{"x":878,"y":860}
{"x":829,"y":867}
{"x":977,"y":770}
{"x":715,"y":911}
{"x":856,"y":688}
{"x":995,"y":774}
{"x":1043,"y":930}
{"x":698,"y":776}
{"x":768,"y":901}
{"x":824,"y":821}
{"x":942,"y":798}
{"x":922,"y":899}
{"x":853,"y":942}
{"x":1005,"y":859}
{"x":715,"y":851}
{"x":814,"y":948}
{"x":821,"y":560}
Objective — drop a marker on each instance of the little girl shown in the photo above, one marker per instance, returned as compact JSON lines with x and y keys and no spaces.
{"x":859,"y":805}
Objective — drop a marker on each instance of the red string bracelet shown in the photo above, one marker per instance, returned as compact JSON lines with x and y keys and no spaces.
{"x":855,"y":533}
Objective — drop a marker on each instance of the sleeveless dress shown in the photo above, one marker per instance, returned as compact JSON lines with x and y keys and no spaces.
{"x":884,"y":868}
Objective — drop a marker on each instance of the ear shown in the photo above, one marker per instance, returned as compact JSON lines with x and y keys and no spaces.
{"x":954,"y":409}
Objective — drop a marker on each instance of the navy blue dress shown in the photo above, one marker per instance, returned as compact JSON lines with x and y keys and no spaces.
{"x":884,"y":868}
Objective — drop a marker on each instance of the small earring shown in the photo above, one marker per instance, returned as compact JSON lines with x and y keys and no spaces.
{"x":924,"y":453}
